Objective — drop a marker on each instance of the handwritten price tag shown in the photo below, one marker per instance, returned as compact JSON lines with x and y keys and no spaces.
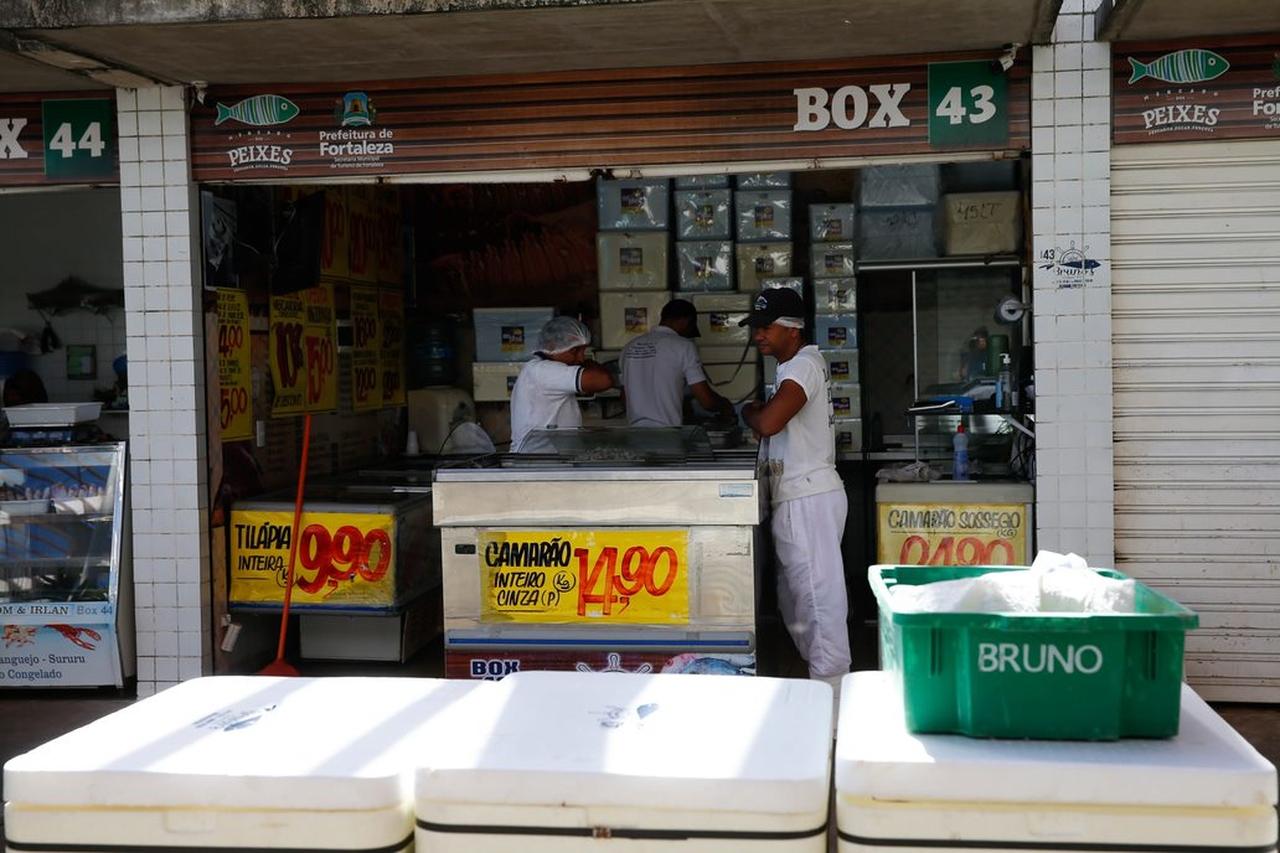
{"x":235,"y":420}
{"x":577,"y":576}
{"x":952,"y":534}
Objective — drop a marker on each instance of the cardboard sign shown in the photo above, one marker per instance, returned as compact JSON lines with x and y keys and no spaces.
{"x":961,"y":534}
{"x":288,"y":355}
{"x":391,"y":357}
{"x":614,"y":577}
{"x":319,"y":341}
{"x":344,"y":559}
{"x":235,"y":381}
{"x":366,"y":352}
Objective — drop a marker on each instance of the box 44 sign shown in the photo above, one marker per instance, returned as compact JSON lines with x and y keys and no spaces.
{"x":78,"y":137}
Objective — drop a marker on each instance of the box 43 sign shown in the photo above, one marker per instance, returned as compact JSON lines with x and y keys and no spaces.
{"x":78,"y":138}
{"x":967,"y":104}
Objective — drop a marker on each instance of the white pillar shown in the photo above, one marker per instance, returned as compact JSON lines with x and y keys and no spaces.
{"x":168,"y":471}
{"x":1071,"y":208}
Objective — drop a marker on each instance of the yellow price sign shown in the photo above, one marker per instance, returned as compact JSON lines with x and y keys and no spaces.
{"x":918,"y":534}
{"x":344,"y":559}
{"x":621,"y":577}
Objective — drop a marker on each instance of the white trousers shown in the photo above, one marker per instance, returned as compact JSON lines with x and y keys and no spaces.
{"x":811,"y":589}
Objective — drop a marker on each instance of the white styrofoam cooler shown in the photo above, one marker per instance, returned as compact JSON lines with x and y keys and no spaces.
{"x":1206,"y":789}
{"x":568,"y":761}
{"x":237,"y":762}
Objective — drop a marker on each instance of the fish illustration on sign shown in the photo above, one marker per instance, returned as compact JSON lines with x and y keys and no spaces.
{"x":260,"y":111}
{"x":1193,"y":65}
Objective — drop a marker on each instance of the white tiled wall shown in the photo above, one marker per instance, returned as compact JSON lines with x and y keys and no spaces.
{"x":1071,"y":203}
{"x":158,"y":205}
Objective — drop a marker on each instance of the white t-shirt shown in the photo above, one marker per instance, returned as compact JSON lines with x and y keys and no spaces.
{"x":802,"y":458}
{"x":545,"y":394}
{"x":655,"y":369}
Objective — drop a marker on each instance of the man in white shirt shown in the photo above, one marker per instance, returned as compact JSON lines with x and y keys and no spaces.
{"x":546,"y":392}
{"x":809,"y":502}
{"x":658,"y":365}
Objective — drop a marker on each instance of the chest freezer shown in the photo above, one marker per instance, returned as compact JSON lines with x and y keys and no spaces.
{"x":233,"y":763}
{"x":1206,"y":789}
{"x":564,"y":762}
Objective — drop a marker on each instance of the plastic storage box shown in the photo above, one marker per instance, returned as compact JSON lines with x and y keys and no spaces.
{"x":633,"y":205}
{"x":758,"y":261}
{"x":899,"y":186}
{"x":846,"y":400}
{"x":763,"y":215}
{"x":718,"y":317}
{"x":842,"y":364}
{"x":702,"y":182}
{"x":848,"y":438}
{"x":831,"y":223}
{"x":705,"y":265}
{"x":625,"y":316}
{"x":509,"y":334}
{"x":733,"y":382}
{"x":789,"y":282}
{"x":982,"y":223}
{"x":704,"y":214}
{"x":492,"y":381}
{"x":836,"y":295}
{"x":836,"y":331}
{"x":764,"y":181}
{"x":229,"y":763}
{"x":832,"y":260}
{"x":1059,"y":676}
{"x":897,"y":233}
{"x":632,"y":261}
{"x":1206,"y":789}
{"x":567,"y":761}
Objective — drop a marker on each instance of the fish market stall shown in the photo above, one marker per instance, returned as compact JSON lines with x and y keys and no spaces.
{"x":613,"y":549}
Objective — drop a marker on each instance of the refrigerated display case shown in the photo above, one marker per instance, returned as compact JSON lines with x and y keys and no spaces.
{"x":610,"y":549}
{"x":66,"y":594}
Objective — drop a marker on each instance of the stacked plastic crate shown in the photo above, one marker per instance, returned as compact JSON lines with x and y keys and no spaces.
{"x":633,"y":259}
{"x":505,"y":339}
{"x":831,"y":266}
{"x":705,"y":258}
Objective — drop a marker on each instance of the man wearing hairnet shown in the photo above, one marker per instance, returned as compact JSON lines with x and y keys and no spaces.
{"x":546,"y":393}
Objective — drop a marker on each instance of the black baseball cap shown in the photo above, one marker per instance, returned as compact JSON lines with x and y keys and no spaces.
{"x":682,"y":309}
{"x":772,"y":305}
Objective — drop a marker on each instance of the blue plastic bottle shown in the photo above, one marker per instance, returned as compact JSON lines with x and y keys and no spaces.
{"x":960,"y":463}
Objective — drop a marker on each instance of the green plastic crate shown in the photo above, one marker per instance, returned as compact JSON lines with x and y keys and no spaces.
{"x":1059,"y":677}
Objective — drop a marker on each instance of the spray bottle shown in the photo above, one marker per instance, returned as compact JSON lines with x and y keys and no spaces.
{"x":960,"y":462}
{"x":1004,"y":385}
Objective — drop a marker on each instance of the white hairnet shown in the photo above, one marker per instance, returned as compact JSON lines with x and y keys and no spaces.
{"x":562,"y":334}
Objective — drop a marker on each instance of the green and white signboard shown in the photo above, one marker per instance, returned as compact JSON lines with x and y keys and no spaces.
{"x":968,"y":104}
{"x":79,"y":138}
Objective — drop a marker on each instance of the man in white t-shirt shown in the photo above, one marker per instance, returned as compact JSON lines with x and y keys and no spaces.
{"x":546,"y":392}
{"x":809,"y":502}
{"x":658,"y":365}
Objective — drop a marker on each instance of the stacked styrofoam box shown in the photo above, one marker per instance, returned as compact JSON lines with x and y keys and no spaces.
{"x":897,"y":212}
{"x":832,"y":251}
{"x":763,"y":214}
{"x":505,"y":339}
{"x":633,"y":257}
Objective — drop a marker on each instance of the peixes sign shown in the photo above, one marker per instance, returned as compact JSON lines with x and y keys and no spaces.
{"x":577,"y":576}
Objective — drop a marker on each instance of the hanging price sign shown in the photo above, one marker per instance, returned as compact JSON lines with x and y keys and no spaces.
{"x":583,"y":576}
{"x":235,"y":385}
{"x":366,"y":369}
{"x":288,"y":355}
{"x":319,"y":344}
{"x":391,"y":320}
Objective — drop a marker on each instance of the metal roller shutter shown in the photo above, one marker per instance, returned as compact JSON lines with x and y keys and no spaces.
{"x":1196,"y":346}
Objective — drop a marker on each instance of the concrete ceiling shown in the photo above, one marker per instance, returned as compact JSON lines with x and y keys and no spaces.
{"x":543,"y":38}
{"x":1158,"y":20}
{"x":19,"y":74}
